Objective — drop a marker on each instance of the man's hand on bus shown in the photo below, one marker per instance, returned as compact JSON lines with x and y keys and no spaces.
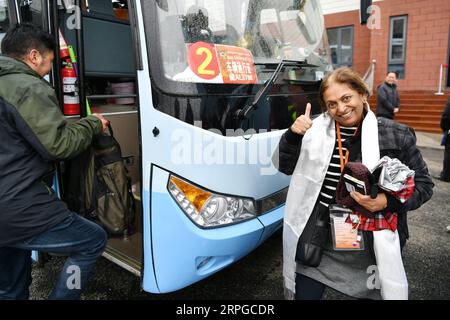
{"x":105,"y":122}
{"x":303,"y":123}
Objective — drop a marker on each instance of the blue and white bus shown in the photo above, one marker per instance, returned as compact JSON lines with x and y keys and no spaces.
{"x":210,"y":87}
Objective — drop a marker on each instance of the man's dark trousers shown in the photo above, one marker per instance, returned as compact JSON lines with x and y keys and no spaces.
{"x":82,"y":239}
{"x":445,"y":174}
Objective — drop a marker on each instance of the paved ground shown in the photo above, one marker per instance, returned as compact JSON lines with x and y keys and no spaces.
{"x":258,"y":276}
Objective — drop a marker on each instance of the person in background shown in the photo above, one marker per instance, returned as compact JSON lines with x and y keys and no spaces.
{"x":34,"y":135}
{"x":445,"y":126}
{"x":388,"y":101}
{"x":196,"y":25}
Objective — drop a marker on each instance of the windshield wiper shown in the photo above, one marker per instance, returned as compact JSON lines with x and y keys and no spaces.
{"x":245,"y":112}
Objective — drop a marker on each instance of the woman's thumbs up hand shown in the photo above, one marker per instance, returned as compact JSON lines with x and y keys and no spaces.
{"x":303,"y":123}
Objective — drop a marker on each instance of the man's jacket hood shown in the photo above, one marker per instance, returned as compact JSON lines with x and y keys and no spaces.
{"x":12,"y":66}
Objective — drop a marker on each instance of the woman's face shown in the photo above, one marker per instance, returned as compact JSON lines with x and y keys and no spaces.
{"x":344,"y":104}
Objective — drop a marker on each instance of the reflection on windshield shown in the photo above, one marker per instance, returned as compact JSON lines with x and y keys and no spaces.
{"x":270,"y":30}
{"x":4,"y":21}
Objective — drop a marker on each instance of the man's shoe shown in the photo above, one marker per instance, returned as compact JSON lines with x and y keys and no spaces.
{"x":448,"y":229}
{"x":441,"y":178}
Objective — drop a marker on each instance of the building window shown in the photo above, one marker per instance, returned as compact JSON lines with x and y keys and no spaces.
{"x":33,"y":12}
{"x":397,"y":45}
{"x":341,"y":45}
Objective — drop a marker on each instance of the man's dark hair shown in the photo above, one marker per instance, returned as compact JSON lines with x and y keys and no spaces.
{"x":394,"y":72}
{"x":22,"y":38}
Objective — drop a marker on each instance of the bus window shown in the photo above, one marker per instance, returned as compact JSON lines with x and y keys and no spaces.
{"x":4,"y":20}
{"x":209,"y":58}
{"x":32,"y":12}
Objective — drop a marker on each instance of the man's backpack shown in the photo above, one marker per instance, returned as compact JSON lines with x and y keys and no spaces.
{"x":99,"y":187}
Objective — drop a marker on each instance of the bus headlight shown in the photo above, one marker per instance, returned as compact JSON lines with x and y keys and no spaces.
{"x":208,"y":209}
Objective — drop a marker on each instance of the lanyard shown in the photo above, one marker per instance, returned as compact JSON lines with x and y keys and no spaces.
{"x":343,"y":163}
{"x":341,"y":155}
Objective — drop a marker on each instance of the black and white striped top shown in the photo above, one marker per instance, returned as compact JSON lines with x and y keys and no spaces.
{"x":334,"y":169}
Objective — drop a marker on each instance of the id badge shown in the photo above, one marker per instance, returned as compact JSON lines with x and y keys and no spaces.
{"x":345,"y":236}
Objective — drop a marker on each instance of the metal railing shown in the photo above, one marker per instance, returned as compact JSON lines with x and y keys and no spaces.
{"x":369,"y":76}
{"x":441,"y":72}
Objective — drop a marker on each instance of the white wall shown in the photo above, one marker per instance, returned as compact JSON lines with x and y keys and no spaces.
{"x":335,"y":6}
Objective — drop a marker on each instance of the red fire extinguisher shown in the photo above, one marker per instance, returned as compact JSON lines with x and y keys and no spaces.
{"x":70,"y":90}
{"x":63,"y":48}
{"x":69,"y":80}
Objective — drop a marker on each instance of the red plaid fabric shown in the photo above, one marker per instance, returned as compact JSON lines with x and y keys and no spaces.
{"x":380,"y":222}
{"x":406,"y":193}
{"x":388,"y":220}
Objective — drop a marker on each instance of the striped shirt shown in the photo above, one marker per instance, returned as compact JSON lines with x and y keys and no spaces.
{"x":328,"y":190}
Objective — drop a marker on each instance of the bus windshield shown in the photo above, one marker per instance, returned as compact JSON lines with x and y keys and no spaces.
{"x":208,"y":58}
{"x":4,"y":21}
{"x":221,"y":41}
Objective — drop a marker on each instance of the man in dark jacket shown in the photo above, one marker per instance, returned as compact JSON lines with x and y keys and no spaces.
{"x":34,"y":134}
{"x":388,"y":101}
{"x":445,"y":126}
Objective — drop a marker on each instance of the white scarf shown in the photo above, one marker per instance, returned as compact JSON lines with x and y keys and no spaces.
{"x":306,"y":183}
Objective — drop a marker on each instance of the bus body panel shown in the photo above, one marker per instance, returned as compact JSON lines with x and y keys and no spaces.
{"x":272,"y":221}
{"x":148,"y":278}
{"x":210,"y":159}
{"x":185,"y":253}
{"x":239,"y":180}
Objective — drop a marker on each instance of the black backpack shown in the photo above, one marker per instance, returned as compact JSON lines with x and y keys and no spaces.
{"x":99,"y":187}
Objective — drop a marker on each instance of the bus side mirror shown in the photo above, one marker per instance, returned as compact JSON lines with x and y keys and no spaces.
{"x":363,"y":8}
{"x":270,"y":25}
{"x":3,"y":14}
{"x":163,"y":5}
{"x":306,"y":27}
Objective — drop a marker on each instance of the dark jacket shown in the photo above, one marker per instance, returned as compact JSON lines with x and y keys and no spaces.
{"x":445,"y":119}
{"x":33,"y":134}
{"x":387,"y":100}
{"x":396,"y":141}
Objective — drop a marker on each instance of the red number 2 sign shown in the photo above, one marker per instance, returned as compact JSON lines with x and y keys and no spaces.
{"x":203,"y":60}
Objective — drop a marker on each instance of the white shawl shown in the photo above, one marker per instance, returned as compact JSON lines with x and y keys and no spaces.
{"x":307,"y":180}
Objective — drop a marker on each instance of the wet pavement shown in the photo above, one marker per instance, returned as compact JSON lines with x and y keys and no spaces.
{"x":258,"y":276}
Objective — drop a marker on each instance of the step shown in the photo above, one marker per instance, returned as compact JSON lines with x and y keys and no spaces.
{"x":432,"y":112}
{"x":428,"y":124}
{"x":424,"y":122}
{"x":411,"y":103}
{"x":426,"y":129}
{"x":431,"y":97}
{"x":418,"y":118}
{"x":441,"y":99}
{"x":422,"y":108}
{"x":423,"y":96}
{"x":408,"y":99}
{"x":422,"y":127}
{"x":418,"y":111}
{"x":446,"y":91}
{"x":421,"y":101}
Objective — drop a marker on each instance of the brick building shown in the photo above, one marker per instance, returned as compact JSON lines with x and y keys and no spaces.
{"x":411,"y":37}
